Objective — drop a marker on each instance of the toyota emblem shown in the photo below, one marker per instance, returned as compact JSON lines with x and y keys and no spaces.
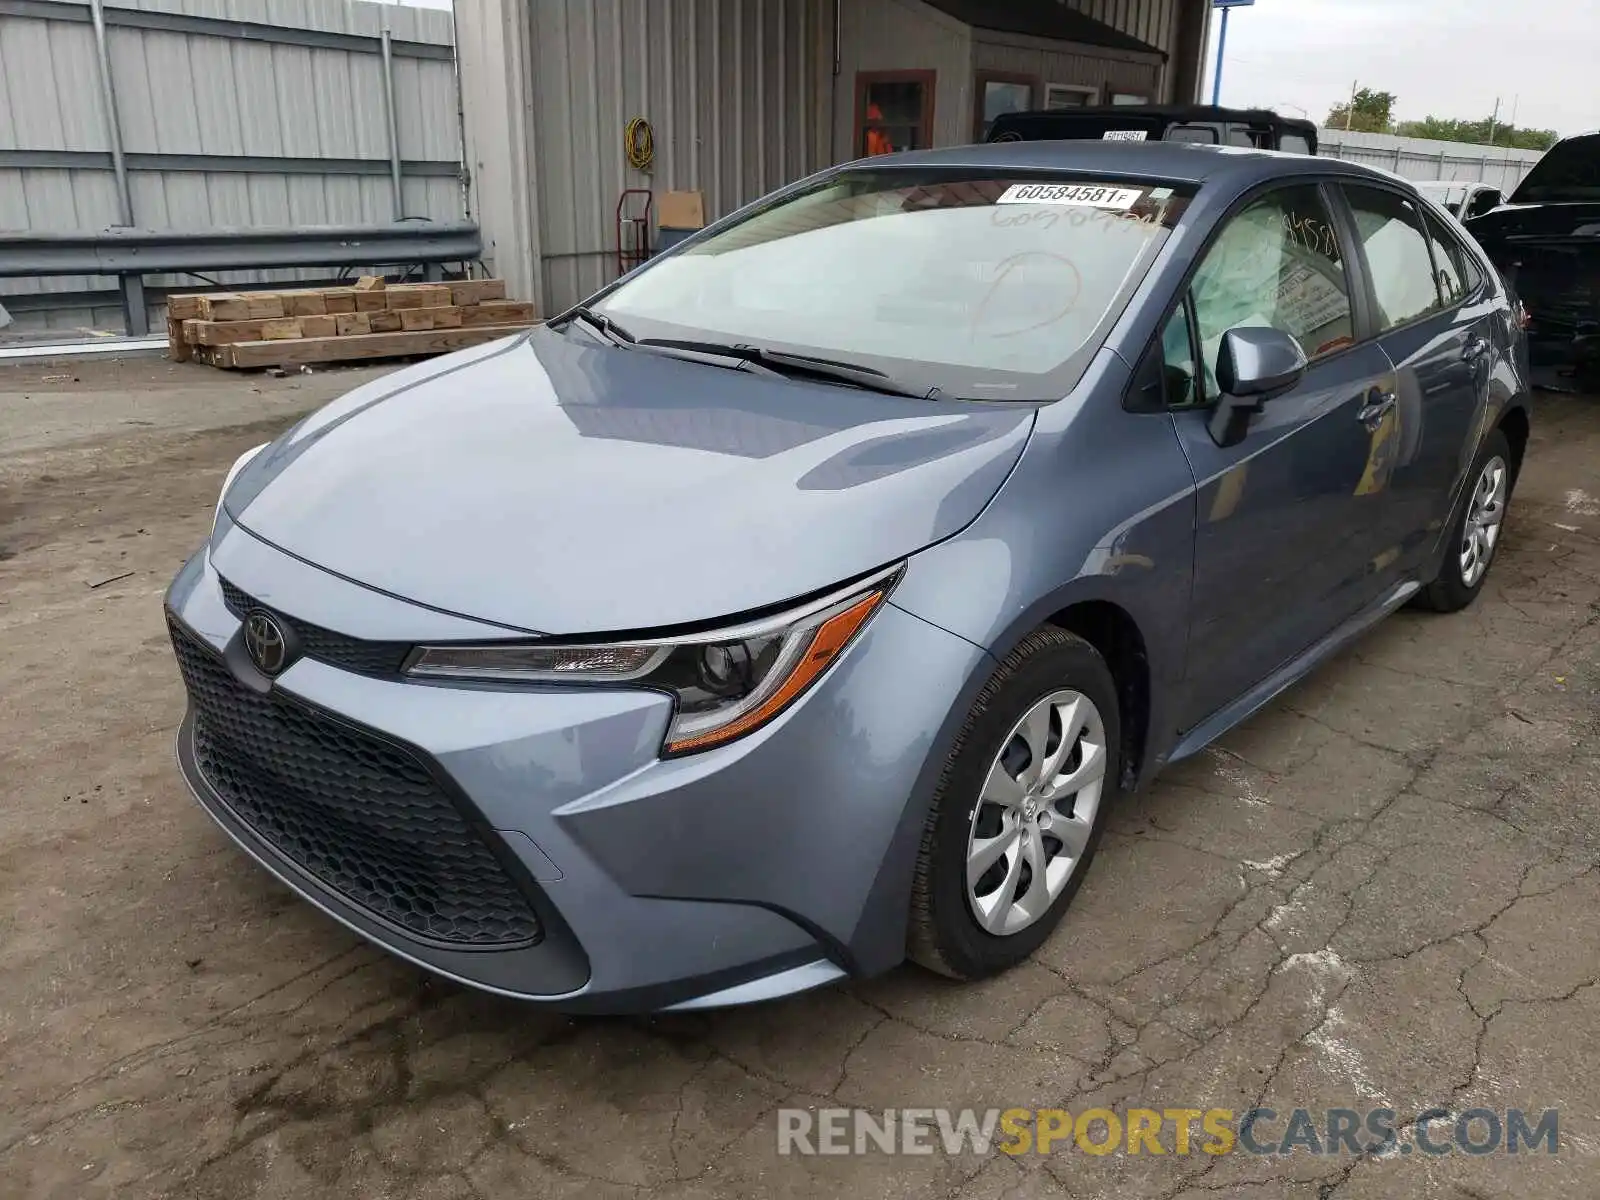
{"x":265,"y":643}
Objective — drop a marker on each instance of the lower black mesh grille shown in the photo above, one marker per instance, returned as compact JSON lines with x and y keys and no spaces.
{"x":363,"y":816}
{"x":324,"y":645}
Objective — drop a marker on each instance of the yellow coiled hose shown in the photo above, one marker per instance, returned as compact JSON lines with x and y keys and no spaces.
{"x":640,"y":142}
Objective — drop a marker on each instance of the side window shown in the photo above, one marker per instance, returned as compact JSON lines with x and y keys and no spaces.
{"x":1397,"y":255}
{"x":1294,"y":143}
{"x":1180,"y":372}
{"x":1206,"y":135}
{"x":1449,"y":265}
{"x":1278,"y":263}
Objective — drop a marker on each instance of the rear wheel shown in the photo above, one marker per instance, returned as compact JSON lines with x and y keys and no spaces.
{"x":1019,"y":809}
{"x":1475,"y":536}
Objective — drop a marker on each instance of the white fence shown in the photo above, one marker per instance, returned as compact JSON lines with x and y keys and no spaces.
{"x":232,"y":113}
{"x":1421,"y":159}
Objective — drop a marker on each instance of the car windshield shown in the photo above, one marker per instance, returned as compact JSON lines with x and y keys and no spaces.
{"x":984,"y":285}
{"x":1570,"y":172}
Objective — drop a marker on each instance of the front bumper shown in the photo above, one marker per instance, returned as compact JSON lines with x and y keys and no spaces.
{"x":757,"y":869}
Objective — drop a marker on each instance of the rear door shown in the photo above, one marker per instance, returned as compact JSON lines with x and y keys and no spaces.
{"x":1433,"y":321}
{"x":1282,"y":540}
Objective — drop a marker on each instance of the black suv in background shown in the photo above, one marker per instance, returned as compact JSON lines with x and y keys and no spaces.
{"x":1255,"y":127}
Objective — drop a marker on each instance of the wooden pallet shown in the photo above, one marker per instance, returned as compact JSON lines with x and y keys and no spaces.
{"x":341,"y":324}
{"x":354,"y":347}
{"x":452,"y":316}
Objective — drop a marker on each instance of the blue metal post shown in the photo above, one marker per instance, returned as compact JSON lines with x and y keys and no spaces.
{"x":1222,"y":45}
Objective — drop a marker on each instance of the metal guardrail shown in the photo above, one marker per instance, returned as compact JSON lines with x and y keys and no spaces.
{"x":131,"y":254}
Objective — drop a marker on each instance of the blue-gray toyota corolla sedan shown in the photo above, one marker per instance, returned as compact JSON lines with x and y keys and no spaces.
{"x":804,"y":600}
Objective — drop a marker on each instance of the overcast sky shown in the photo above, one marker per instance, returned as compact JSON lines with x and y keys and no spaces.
{"x":1445,"y":58}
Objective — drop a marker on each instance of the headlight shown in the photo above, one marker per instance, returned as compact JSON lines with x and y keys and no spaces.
{"x":726,"y":682}
{"x":239,"y":464}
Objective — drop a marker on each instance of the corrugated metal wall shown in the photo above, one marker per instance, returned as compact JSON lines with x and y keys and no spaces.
{"x":1423,"y":159}
{"x":1152,"y":21}
{"x":1106,"y":70}
{"x":192,"y":89}
{"x":733,"y":90}
{"x":904,"y":35}
{"x":1155,"y":22}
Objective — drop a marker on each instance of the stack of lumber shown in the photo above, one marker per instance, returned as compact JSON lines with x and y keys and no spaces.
{"x":368,"y":320}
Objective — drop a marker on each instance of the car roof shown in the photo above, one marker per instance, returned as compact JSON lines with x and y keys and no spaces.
{"x":1185,"y":162}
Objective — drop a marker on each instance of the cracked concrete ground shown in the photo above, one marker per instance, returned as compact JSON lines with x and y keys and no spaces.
{"x":1382,"y":891}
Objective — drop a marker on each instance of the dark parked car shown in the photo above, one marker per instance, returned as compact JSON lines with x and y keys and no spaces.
{"x":1546,"y":240}
{"x":1202,"y":124}
{"x":806,"y":599}
{"x":1462,"y":200}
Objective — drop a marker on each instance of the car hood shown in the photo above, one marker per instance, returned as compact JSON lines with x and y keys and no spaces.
{"x":1579,"y":219}
{"x":556,"y":487}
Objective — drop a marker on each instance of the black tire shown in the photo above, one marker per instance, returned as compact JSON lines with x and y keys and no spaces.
{"x":944,"y":935}
{"x":1449,"y":592}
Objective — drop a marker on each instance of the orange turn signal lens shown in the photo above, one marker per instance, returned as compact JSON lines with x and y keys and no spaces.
{"x":827,"y":642}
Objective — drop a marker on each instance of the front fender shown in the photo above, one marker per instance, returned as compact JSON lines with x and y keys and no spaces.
{"x":1101,"y":507}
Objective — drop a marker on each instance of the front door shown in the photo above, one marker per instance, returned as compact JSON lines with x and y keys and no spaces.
{"x":1283,"y":548}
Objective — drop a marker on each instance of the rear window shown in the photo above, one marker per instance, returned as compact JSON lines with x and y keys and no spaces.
{"x":987,"y":286}
{"x":1569,"y":172}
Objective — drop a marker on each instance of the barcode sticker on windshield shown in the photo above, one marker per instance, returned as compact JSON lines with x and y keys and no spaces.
{"x":1091,"y":195}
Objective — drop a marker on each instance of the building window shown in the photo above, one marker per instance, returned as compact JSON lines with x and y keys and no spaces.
{"x":1070,"y":95}
{"x":999,"y":93}
{"x":894,"y":111}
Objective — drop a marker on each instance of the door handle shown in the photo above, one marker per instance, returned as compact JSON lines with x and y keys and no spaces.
{"x":1475,"y":349}
{"x":1376,"y":408}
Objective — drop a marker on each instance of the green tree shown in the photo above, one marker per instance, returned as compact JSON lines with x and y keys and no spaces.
{"x":1477,"y":133}
{"x":1369,"y":112}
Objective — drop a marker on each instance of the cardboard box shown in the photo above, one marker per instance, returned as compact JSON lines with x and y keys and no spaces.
{"x":682,"y":210}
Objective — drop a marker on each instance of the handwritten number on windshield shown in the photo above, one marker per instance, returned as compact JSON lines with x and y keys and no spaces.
{"x":1074,"y":218}
{"x":1070,"y":293}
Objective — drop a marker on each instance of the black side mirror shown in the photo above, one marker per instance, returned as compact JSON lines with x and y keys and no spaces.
{"x":1484,"y":202}
{"x":1255,"y":364}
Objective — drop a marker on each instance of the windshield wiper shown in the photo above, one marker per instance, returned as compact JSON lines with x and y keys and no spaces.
{"x":798,"y":365}
{"x":604,"y":325}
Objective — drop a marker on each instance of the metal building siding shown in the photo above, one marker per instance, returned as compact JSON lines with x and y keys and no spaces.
{"x":1151,"y":21}
{"x":1087,"y":66}
{"x":208,"y":93}
{"x":731,"y":89}
{"x":905,"y":35}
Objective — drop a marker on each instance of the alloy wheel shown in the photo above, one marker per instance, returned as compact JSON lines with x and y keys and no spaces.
{"x":1485,"y":513}
{"x":1035,"y":815}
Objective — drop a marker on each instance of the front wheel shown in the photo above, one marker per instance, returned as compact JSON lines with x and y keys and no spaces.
{"x":1475,"y":535}
{"x":1019,"y":809}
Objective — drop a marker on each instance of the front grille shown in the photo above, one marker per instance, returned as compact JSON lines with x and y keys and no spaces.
{"x":362,"y":815}
{"x":324,"y":645}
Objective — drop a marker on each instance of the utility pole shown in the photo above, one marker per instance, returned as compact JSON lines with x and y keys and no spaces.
{"x":1494,"y":120}
{"x":1226,"y":6}
{"x":1350,"y":109}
